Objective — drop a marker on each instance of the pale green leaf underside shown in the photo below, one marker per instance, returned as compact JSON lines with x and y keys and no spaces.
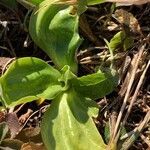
{"x":55,"y":31}
{"x":28,"y":79}
{"x":67,"y":126}
{"x":95,"y":85}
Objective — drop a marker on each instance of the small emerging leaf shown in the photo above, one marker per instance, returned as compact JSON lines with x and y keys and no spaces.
{"x":28,"y":79}
{"x":121,"y":40}
{"x":67,"y":125}
{"x":117,"y":40}
{"x":66,"y":77}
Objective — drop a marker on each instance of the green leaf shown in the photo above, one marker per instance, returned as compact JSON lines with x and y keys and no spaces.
{"x":55,"y":30}
{"x":107,"y":132}
{"x":95,"y":2}
{"x":35,"y":2}
{"x":67,"y":126}
{"x":3,"y":131}
{"x":128,"y":42}
{"x":117,"y":40}
{"x":121,"y":40}
{"x":26,"y":4}
{"x":29,"y":79}
{"x":96,"y":85}
{"x":82,"y":6}
{"x":29,"y":4}
{"x":66,"y":77}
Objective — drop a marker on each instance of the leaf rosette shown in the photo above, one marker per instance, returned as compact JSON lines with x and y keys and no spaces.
{"x":67,"y":124}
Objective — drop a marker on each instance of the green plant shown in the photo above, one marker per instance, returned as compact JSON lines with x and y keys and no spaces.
{"x":67,"y":124}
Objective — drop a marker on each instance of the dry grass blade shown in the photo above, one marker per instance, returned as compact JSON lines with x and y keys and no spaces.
{"x":139,"y":55}
{"x":127,"y":78}
{"x":130,"y":140}
{"x":135,"y":2}
{"x":136,"y":93}
{"x":145,"y":140}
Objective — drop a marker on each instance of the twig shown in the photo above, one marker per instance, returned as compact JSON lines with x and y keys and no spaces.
{"x":90,"y":49}
{"x":32,"y":115}
{"x":17,"y":110}
{"x":145,"y":140}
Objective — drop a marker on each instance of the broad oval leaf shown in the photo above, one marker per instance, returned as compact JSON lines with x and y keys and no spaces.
{"x":29,"y":79}
{"x":55,"y":30}
{"x":67,"y":126}
{"x":95,"y":85}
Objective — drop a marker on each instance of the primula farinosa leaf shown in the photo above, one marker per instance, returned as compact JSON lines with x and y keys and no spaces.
{"x":94,"y":2}
{"x":28,"y":79}
{"x":95,"y":85}
{"x":67,"y":126}
{"x":55,"y":30}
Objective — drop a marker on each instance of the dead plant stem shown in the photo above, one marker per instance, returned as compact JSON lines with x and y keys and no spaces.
{"x":128,"y":91}
{"x":136,"y":93}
